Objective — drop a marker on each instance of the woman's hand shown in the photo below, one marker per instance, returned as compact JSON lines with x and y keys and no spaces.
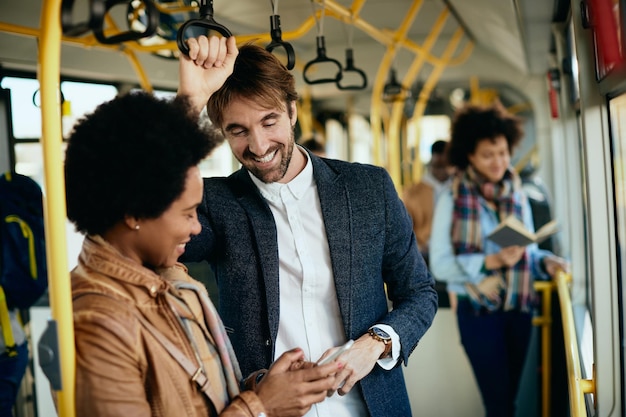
{"x":552,"y":264}
{"x":491,"y":287}
{"x":210,"y":62}
{"x":292,"y":386}
{"x":507,"y":257}
{"x":511,"y":255}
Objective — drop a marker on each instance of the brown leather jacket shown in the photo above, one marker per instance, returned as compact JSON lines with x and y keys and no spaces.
{"x":121,"y":369}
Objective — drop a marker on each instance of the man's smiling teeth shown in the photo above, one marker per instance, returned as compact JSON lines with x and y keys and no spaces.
{"x":267,"y":158}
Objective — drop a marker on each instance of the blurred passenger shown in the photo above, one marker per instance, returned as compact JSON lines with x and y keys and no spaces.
{"x":420,"y":198}
{"x":303,"y":246}
{"x":148,"y":340}
{"x":315,"y":146}
{"x":494,"y":284}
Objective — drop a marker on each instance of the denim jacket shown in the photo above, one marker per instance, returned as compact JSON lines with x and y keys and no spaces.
{"x":457,"y":270}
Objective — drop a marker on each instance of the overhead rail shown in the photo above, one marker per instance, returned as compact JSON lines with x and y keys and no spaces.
{"x":393,"y":40}
{"x":332,"y":9}
{"x":349,"y":15}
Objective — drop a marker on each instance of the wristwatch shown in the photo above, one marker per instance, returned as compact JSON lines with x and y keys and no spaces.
{"x":382,"y":336}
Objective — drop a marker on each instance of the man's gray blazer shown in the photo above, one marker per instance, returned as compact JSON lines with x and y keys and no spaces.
{"x":371,"y":244}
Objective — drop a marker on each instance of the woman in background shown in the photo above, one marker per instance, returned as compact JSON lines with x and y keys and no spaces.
{"x":494,"y":285}
{"x":148,"y":340}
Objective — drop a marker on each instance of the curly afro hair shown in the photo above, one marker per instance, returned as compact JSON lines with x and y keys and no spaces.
{"x":473,"y":124}
{"x":130,"y":157}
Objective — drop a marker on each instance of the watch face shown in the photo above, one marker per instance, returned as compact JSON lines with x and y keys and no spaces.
{"x":381,"y":333}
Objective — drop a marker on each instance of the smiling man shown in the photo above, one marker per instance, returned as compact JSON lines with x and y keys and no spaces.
{"x":303,"y":247}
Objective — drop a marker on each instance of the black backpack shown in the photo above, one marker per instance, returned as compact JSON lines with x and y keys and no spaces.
{"x":23,"y":270}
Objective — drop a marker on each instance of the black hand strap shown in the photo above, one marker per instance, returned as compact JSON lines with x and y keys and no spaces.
{"x":205,"y":21}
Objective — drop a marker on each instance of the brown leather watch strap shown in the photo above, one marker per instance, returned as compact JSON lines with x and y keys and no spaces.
{"x":387,"y":343}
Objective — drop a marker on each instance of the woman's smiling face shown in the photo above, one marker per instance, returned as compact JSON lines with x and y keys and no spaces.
{"x":161,"y":241}
{"x":491,"y":158}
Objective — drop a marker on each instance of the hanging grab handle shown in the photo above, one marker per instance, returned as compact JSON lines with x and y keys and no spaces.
{"x":277,"y":41}
{"x":79,"y":29}
{"x":205,"y":21}
{"x":350,"y":68}
{"x":99,"y":9}
{"x":321,"y":57}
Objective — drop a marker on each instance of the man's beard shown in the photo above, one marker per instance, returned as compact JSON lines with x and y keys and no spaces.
{"x":274,"y":174}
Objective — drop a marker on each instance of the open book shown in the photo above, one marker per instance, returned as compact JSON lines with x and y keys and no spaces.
{"x":512,"y":231}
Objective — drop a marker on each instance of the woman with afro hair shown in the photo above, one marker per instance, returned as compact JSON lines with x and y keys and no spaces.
{"x":493,"y":284}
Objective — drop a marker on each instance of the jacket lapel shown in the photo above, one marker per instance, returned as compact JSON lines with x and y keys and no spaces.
{"x":335,"y":203}
{"x":264,"y":230}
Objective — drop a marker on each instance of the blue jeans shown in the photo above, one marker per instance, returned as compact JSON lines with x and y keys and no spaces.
{"x":12,"y":370}
{"x":496,"y":344}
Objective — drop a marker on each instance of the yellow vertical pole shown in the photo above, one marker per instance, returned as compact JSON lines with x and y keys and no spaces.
{"x":545,"y":321}
{"x":132,"y":57}
{"x":398,"y":107}
{"x":54,"y":207}
{"x":143,"y":77}
{"x":394,"y":155}
{"x":305,"y":114}
{"x":376,"y":110}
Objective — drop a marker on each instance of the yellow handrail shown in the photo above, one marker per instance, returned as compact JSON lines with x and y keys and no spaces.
{"x":578,"y":386}
{"x":54,"y":209}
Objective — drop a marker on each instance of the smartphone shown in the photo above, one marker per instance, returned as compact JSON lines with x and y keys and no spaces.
{"x":336,"y":353}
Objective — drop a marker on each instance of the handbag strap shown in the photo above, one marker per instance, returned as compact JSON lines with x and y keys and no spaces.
{"x":196,"y":374}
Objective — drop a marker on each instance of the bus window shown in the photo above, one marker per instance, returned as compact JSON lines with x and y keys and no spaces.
{"x":26,"y":119}
{"x":82,"y":98}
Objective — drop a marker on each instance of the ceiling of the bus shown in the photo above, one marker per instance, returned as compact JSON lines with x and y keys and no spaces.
{"x":512,"y":34}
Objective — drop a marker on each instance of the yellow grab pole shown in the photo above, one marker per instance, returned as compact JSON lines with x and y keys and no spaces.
{"x":398,"y":107}
{"x":395,"y":121}
{"x":545,"y":321}
{"x":54,"y":208}
{"x":305,"y":114}
{"x":144,"y":81}
{"x":433,"y":78}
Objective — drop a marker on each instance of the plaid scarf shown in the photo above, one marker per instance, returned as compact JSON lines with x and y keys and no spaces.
{"x":467,"y":237}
